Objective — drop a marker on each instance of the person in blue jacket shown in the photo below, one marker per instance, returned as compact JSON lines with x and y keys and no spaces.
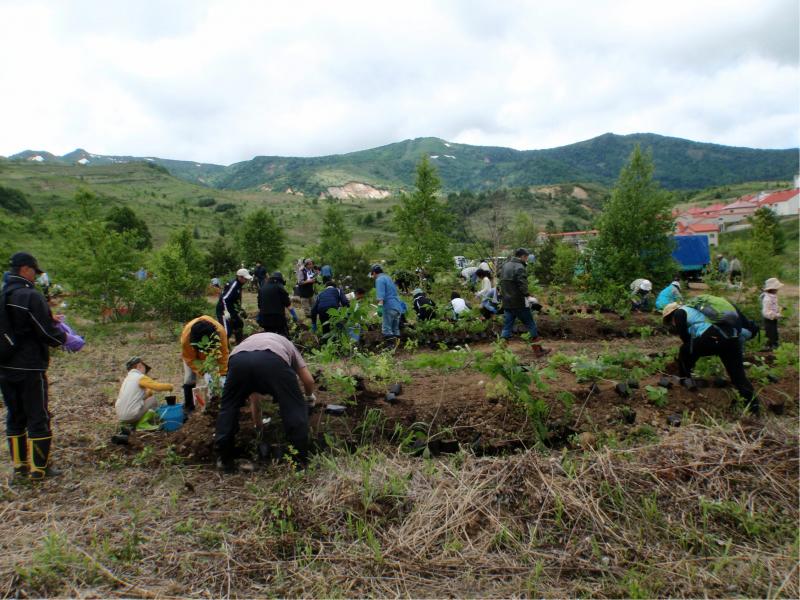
{"x":328,"y":299}
{"x":670,"y":294}
{"x":390,"y":307}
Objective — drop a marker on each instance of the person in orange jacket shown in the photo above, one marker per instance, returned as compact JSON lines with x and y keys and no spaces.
{"x":191,"y":339}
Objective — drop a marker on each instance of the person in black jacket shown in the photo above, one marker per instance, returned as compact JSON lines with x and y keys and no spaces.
{"x":229,"y":306}
{"x":423,"y":306}
{"x":260,"y":274}
{"x":329,"y":298}
{"x":23,"y":379}
{"x":273,"y":300}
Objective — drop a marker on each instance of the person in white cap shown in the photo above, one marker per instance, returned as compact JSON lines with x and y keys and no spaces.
{"x":771,"y":311}
{"x":229,"y":306}
{"x":670,"y":294}
{"x":640,"y":295}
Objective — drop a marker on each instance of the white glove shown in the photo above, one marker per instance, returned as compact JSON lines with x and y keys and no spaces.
{"x":311,"y":399}
{"x":226,"y":315}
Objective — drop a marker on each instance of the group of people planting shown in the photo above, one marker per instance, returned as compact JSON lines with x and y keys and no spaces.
{"x":244,"y":370}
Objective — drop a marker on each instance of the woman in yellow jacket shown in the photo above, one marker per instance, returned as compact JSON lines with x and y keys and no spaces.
{"x":191,"y":338}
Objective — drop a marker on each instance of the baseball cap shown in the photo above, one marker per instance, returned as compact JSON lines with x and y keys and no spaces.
{"x":23,"y":259}
{"x":417,"y":292}
{"x":244,"y":273}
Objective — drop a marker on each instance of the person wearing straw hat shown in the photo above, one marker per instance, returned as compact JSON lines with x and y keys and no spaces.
{"x":771,"y":311}
{"x":701,"y":338}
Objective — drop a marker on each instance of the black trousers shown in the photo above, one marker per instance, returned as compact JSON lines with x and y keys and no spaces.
{"x":771,"y":331}
{"x":729,"y":352}
{"x":25,"y":397}
{"x":274,"y":324}
{"x":263,"y":372}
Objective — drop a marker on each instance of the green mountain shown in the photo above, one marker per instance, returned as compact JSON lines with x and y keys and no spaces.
{"x":680,"y":164}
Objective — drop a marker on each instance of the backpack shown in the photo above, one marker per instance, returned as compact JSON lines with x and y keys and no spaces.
{"x":8,"y":344}
{"x":718,"y":311}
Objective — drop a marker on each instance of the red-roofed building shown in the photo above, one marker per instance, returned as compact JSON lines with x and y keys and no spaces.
{"x":700,"y":228}
{"x":783,"y":203}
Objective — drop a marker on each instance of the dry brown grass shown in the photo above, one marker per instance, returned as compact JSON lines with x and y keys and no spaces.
{"x":707,"y":510}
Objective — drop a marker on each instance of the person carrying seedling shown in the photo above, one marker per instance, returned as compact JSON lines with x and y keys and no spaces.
{"x":641,"y":295}
{"x":771,"y":311}
{"x":200,"y":337}
{"x":517,"y":298}
{"x":265,"y":363}
{"x":328,"y":299}
{"x":306,"y":279}
{"x":670,"y":294}
{"x":27,"y":331}
{"x":136,"y":397}
{"x":229,"y":305}
{"x":703,"y":336}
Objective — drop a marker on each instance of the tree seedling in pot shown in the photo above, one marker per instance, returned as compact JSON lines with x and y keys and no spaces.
{"x":674,"y":420}
{"x":622,"y":390}
{"x":665,"y":382}
{"x":689,"y":384}
{"x":633,"y":384}
{"x":657,"y":395}
{"x":719,"y":382}
{"x":628,"y":414}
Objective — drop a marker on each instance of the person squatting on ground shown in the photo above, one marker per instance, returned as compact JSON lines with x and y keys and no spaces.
{"x":641,"y":297}
{"x":193,"y":352}
{"x":670,"y":294}
{"x":701,"y":338}
{"x":390,"y":307}
{"x":771,"y":311}
{"x":458,"y":304}
{"x":487,"y":293}
{"x":424,"y":307}
{"x":306,"y":279}
{"x":265,"y":363}
{"x":328,"y":299}
{"x":516,"y":298}
{"x":135,"y":396}
{"x":273,"y":301}
{"x":23,"y":373}
{"x":229,"y":305}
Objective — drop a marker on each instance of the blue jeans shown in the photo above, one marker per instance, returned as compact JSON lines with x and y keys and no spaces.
{"x":524,"y":315}
{"x":391,"y":322}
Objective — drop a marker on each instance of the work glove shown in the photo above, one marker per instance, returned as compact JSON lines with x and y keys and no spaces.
{"x":311,"y":399}
{"x":226,"y":315}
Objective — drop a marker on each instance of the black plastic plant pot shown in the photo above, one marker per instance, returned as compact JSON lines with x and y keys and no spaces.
{"x":674,"y":420}
{"x":396,"y":389}
{"x":665,"y":382}
{"x":701,"y":382}
{"x":622,"y":390}
{"x":418,"y":447}
{"x":390,"y":398}
{"x":719,"y":382}
{"x":773,"y":378}
{"x":335,"y":409}
{"x":633,"y":384}
{"x":776,"y":407}
{"x":689,"y":384}
{"x":171,"y":400}
{"x":629,"y":416}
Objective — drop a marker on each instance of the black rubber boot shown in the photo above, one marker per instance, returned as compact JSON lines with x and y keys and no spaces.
{"x":188,"y":397}
{"x":18,"y":448}
{"x":39,"y":456}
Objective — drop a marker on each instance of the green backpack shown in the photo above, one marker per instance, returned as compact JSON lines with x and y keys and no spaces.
{"x":718,"y":311}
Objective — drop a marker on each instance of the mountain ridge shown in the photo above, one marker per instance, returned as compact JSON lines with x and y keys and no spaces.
{"x":679,"y":164}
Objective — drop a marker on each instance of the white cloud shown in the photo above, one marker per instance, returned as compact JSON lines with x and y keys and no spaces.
{"x":221,"y":81}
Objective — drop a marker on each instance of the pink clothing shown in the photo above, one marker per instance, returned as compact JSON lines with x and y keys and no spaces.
{"x":274,"y":343}
{"x":769,"y":306}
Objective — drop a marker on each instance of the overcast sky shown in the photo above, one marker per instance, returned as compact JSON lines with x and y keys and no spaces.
{"x":223,"y":81}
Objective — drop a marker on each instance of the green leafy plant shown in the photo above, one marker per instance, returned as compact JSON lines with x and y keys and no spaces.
{"x":657,"y":395}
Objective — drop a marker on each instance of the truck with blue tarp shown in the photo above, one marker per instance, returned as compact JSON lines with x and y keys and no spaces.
{"x":692,"y":254}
